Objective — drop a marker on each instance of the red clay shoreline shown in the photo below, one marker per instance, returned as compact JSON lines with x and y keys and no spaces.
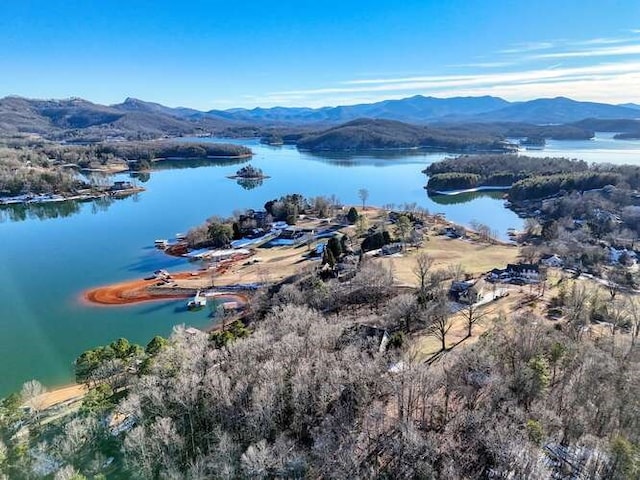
{"x":138,"y":291}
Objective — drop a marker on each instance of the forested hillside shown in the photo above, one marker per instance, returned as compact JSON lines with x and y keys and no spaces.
{"x":307,"y":392}
{"x":528,"y":178}
{"x":367,"y":134}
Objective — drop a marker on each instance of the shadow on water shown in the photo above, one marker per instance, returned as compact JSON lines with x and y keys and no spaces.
{"x":154,"y":262}
{"x":47,"y":210}
{"x":197,"y":162}
{"x":250,"y":183}
{"x":156,"y":307}
{"x":465,"y":197}
{"x":375,"y":158}
{"x":38,"y":211}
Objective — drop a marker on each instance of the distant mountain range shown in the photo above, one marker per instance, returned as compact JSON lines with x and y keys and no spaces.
{"x":75,"y":117}
{"x":419,"y":109}
{"x":137,"y":118}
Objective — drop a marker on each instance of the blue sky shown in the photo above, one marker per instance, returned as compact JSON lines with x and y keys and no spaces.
{"x":223,"y":54}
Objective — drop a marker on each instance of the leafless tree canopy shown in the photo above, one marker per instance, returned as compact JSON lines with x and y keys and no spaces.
{"x":310,"y":394}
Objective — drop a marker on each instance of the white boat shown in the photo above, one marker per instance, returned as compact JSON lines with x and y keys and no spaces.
{"x":161,"y":243}
{"x":198,"y":302}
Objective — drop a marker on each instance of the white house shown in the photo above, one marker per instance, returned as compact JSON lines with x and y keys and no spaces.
{"x":616,"y":255}
{"x":552,"y":261}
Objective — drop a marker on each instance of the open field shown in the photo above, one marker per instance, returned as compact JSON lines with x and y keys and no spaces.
{"x":426,"y":346}
{"x":476,"y":258}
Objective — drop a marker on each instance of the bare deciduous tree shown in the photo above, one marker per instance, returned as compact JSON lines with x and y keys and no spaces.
{"x":31,"y":394}
{"x":363,"y":195}
{"x":424,"y":261}
{"x":439,"y":321}
{"x":473,"y":314}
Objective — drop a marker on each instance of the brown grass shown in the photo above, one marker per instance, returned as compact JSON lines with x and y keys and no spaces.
{"x":475,"y":257}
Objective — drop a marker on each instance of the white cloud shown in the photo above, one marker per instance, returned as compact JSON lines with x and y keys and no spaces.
{"x":448,"y":81}
{"x":484,"y":65}
{"x":604,"y":41}
{"x":528,"y":47}
{"x":609,"y":82}
{"x":596,"y":52}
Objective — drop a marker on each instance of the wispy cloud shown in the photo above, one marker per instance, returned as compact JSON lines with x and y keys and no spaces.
{"x":602,"y":80}
{"x":528,"y":47}
{"x":595,"y":52}
{"x":555,"y":68}
{"x":604,"y":41}
{"x":447,"y":81}
{"x":484,"y":64}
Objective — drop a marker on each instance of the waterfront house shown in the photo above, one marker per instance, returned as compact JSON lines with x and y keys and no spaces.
{"x":120,"y":185}
{"x":391,"y":248}
{"x":528,"y":272}
{"x":464,"y":292}
{"x":552,"y":261}
{"x":519,"y":273}
{"x":495,"y":275}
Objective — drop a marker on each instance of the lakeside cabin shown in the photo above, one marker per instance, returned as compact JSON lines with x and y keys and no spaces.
{"x":120,"y":185}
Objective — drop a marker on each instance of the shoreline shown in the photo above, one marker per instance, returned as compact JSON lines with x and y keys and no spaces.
{"x":130,"y":292}
{"x":468,"y":190}
{"x":61,"y":198}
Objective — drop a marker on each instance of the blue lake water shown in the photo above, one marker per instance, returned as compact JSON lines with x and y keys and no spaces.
{"x":46,"y":263}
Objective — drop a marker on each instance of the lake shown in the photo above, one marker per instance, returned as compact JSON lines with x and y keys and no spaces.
{"x":46,"y":263}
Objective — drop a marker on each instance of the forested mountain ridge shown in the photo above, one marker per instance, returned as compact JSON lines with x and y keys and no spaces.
{"x":369,"y":134}
{"x":76,"y":118}
{"x":556,"y":110}
{"x":419,"y":109}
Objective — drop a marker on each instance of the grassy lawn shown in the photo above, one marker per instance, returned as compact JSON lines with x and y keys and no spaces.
{"x":476,"y":258}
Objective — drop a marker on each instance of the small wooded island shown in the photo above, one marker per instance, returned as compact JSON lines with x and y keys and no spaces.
{"x":249,"y":172}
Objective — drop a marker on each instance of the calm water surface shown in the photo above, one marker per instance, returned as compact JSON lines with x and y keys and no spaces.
{"x":45,"y":264}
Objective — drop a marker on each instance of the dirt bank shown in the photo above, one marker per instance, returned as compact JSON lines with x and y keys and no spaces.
{"x":136,"y":291}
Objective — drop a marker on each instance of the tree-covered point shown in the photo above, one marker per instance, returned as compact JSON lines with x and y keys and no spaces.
{"x":218,"y":232}
{"x":454,"y":181}
{"x":272,"y":139}
{"x":528,"y":177}
{"x":137,"y":151}
{"x":515,"y":166}
{"x":470,"y":171}
{"x":368,"y":134}
{"x":18,"y":178}
{"x":91,"y":365}
{"x":545,"y":186}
